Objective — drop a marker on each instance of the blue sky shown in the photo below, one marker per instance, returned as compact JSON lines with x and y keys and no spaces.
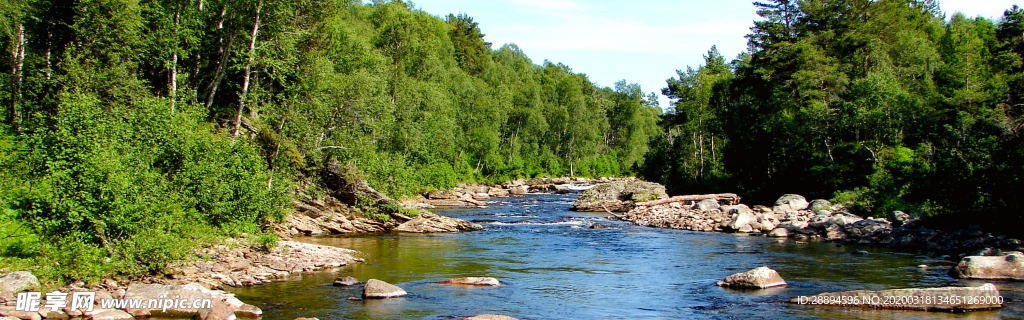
{"x":642,"y":41}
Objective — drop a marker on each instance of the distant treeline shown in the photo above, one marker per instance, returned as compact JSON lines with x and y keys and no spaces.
{"x":880,"y":105}
{"x":135,"y":130}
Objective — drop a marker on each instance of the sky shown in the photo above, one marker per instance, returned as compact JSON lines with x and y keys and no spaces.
{"x":641,"y":41}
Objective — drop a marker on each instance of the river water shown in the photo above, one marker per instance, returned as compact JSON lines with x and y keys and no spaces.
{"x":554,"y":266}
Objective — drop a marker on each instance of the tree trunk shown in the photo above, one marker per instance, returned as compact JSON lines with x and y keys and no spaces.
{"x":225,"y":53}
{"x":248,"y":70}
{"x":729,"y":197}
{"x":174,"y":62}
{"x":18,"y":56}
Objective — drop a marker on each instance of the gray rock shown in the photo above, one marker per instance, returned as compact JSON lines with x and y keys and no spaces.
{"x":1008,"y":267}
{"x":742,"y":221}
{"x":488,"y":317}
{"x":345,"y":281}
{"x":14,"y":282}
{"x":376,"y":289}
{"x":474,"y":281}
{"x":707,"y":205}
{"x":790,"y":202}
{"x":820,"y":204}
{"x":778,"y":233}
{"x":519,"y":190}
{"x":618,"y":196}
{"x":761,"y":277}
{"x":984,"y":297}
{"x":428,"y":222}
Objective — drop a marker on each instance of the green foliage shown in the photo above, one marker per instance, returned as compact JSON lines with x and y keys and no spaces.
{"x":884,"y":104}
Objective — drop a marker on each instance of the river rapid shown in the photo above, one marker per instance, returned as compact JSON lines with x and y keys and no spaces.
{"x":554,"y":266}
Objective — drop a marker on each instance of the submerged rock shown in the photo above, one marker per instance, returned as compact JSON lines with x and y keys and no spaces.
{"x":1008,"y":267}
{"x":489,"y":317}
{"x":984,"y":297}
{"x":429,"y":222}
{"x":345,"y":281}
{"x":376,"y":289}
{"x":473,"y":281}
{"x":760,"y":278}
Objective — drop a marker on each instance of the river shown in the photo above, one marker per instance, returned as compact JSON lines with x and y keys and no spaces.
{"x":554,"y":266}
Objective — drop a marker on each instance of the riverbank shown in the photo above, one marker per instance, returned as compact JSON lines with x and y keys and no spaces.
{"x":792,"y":216}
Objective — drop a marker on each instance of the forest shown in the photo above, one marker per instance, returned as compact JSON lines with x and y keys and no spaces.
{"x":878,"y":105}
{"x":136,"y":131}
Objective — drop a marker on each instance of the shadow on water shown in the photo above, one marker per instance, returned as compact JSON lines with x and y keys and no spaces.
{"x":555,"y":267}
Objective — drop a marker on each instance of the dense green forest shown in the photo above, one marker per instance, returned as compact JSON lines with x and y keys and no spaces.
{"x":880,"y":105}
{"x":135,"y":130}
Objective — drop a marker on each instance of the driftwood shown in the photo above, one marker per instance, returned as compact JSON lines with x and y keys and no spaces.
{"x":728,"y":197}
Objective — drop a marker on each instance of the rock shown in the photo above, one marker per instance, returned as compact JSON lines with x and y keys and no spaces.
{"x":498,"y":192}
{"x":345,"y":281}
{"x":489,"y":317}
{"x":706,"y":205}
{"x":442,"y":195}
{"x":820,"y":205}
{"x":111,"y":314}
{"x":760,"y":277}
{"x":742,"y":221}
{"x":519,"y":190}
{"x":984,"y":297}
{"x":779,"y":233}
{"x":481,"y":196}
{"x":790,"y":202}
{"x":376,"y":289}
{"x":834,"y":232}
{"x":618,"y":196}
{"x":24,"y":315}
{"x":218,"y":311}
{"x":190,"y":291}
{"x":428,"y":222}
{"x":224,"y":306}
{"x":14,"y":282}
{"x":473,"y":281}
{"x":1008,"y":267}
{"x":900,"y":218}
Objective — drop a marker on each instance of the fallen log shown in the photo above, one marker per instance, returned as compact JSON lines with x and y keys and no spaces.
{"x":732,"y":198}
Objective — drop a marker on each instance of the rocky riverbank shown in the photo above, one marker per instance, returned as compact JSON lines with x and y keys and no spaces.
{"x":476,"y":195}
{"x":237,"y":262}
{"x":793,"y":216}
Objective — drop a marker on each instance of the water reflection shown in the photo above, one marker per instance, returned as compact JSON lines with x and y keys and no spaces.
{"x":555,"y":267}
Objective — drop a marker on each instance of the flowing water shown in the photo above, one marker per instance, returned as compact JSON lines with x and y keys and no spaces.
{"x":554,"y":266}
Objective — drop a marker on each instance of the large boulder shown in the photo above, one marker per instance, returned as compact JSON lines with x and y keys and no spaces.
{"x":14,"y":282}
{"x":376,"y":289}
{"x":1008,"y":267}
{"x":428,"y":222}
{"x":489,"y":317}
{"x":790,"y":202}
{"x":191,"y":292}
{"x":946,"y":299}
{"x":819,"y":205}
{"x":707,"y":205}
{"x":519,"y":190}
{"x":473,"y":281}
{"x":759,"y":278}
{"x":742,"y":221}
{"x":618,"y":196}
